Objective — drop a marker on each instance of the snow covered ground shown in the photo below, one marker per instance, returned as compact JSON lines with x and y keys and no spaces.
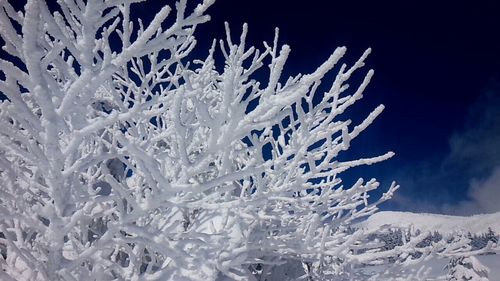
{"x":436,"y":269}
{"x":493,"y":263}
{"x":477,"y":224}
{"x":444,"y":224}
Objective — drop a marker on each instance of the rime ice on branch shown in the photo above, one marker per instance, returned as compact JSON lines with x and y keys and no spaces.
{"x":130,"y":162}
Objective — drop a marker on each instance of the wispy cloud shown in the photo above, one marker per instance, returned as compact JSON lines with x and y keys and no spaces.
{"x":484,"y":197}
{"x":472,"y":166}
{"x":476,"y":149}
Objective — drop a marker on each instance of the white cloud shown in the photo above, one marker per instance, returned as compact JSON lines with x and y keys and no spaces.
{"x":475,"y":152}
{"x":472,"y":166}
{"x":486,"y":193}
{"x":475,"y":149}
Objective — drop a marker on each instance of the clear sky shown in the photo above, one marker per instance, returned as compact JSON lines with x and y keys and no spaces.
{"x":436,"y":70}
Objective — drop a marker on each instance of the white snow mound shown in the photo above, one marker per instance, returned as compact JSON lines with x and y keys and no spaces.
{"x":445,"y":224}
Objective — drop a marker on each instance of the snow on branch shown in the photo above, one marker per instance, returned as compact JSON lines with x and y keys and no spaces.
{"x":123,"y":158}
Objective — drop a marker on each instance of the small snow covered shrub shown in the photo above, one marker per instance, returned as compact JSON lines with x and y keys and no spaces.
{"x":465,"y":269}
{"x":121,"y":158}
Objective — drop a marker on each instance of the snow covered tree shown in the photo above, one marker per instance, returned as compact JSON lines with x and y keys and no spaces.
{"x":406,"y":259}
{"x":466,"y":268}
{"x":123,"y":158}
{"x":482,"y":240}
{"x":463,"y":263}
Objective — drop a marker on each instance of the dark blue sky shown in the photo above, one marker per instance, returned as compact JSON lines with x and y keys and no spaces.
{"x":437,"y":70}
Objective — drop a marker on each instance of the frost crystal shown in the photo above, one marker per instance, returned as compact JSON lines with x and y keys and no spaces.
{"x":121,"y":158}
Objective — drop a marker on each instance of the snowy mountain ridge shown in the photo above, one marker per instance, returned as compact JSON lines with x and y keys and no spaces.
{"x":445,"y":224}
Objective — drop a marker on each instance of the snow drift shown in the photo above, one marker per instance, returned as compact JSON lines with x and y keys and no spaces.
{"x":444,"y":224}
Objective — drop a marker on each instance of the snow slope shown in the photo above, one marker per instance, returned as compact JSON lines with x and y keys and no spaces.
{"x":436,"y":268}
{"x":477,"y":224}
{"x":444,"y":224}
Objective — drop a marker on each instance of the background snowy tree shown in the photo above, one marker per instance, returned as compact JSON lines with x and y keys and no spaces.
{"x":482,"y":240}
{"x":122,"y":158}
{"x":466,"y":268}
